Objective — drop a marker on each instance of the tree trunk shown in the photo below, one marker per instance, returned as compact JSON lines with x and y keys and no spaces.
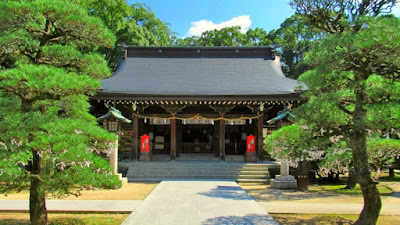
{"x":37,"y":201}
{"x":372,"y":201}
{"x":378,"y":173}
{"x":351,"y":181}
{"x":37,"y":197}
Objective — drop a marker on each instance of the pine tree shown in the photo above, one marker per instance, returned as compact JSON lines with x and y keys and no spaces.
{"x":50,"y":143}
{"x":354,"y":91}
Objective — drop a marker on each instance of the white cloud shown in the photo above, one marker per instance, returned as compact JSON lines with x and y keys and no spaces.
{"x":198,"y":27}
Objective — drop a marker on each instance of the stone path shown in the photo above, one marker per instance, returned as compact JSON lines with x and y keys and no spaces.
{"x":211,"y":202}
{"x":199,"y":202}
{"x":325,"y":208}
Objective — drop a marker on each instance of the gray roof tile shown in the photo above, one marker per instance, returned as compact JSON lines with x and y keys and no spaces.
{"x":199,"y":76}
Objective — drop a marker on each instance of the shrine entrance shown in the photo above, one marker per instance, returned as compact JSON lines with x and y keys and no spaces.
{"x":197,"y":138}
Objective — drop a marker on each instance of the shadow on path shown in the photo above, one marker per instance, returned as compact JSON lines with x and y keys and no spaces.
{"x":312,"y":220}
{"x":251,"y":219}
{"x":271,"y":194}
{"x":227,"y":192}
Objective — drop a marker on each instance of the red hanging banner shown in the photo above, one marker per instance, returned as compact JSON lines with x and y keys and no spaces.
{"x":145,"y":143}
{"x":251,"y":143}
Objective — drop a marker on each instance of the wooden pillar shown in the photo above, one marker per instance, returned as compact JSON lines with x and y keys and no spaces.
{"x":221,"y":110}
{"x":222,"y":139}
{"x":179,"y":145}
{"x":173,"y":139}
{"x":173,"y":144}
{"x":135,"y":138}
{"x":216,"y":138}
{"x":260,"y":141}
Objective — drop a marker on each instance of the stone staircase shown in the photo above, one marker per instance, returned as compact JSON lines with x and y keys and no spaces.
{"x":200,"y":170}
{"x":198,"y":157}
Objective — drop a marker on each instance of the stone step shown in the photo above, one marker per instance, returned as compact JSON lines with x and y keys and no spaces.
{"x":253,"y":181}
{"x":201,"y":174}
{"x":124,"y":180}
{"x":202,"y":167}
{"x":204,"y":176}
{"x":242,"y":181}
{"x":266,"y":176}
{"x":156,"y":171}
{"x":241,"y":172}
{"x":235,"y":173}
{"x":220,"y":166}
{"x":199,"y":159}
{"x":208,"y":170}
{"x":132,"y":180}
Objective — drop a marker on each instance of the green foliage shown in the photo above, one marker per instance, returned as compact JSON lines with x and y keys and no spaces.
{"x":228,"y":36}
{"x":358,"y":58}
{"x":293,"y":143}
{"x":345,"y":62}
{"x":132,"y":24}
{"x":44,"y":109}
{"x":337,"y":158}
{"x":340,"y":15}
{"x":329,"y":112}
{"x":383,"y":152}
{"x":293,"y":40}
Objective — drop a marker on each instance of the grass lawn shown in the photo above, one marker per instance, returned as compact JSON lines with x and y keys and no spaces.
{"x":386,"y":186}
{"x":334,"y":193}
{"x":339,"y":188}
{"x":316,"y":219}
{"x":131,"y":191}
{"x":65,"y":219}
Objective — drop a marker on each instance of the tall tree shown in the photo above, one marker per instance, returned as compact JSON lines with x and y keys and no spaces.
{"x":257,"y":37}
{"x":49,"y":140}
{"x":132,"y":24}
{"x":294,"y":38}
{"x":356,"y":74}
{"x":228,"y":36}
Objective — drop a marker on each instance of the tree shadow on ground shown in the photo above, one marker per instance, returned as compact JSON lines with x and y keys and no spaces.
{"x":316,"y":220}
{"x":251,"y":219}
{"x":227,"y":192}
{"x":271,"y":194}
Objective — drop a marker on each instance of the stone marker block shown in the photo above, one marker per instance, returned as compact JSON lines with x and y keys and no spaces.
{"x":284,"y":182}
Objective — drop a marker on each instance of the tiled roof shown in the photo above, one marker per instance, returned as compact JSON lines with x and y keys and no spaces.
{"x":199,"y":76}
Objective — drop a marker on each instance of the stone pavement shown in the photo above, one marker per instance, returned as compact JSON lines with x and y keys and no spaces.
{"x":324,"y":208}
{"x":112,"y":206}
{"x":199,"y":202}
{"x":206,"y":202}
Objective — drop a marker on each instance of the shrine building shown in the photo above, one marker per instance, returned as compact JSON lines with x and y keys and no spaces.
{"x":196,"y":100}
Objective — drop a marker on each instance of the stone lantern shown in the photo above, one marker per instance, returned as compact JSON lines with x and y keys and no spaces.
{"x":284,"y":180}
{"x":112,"y":122}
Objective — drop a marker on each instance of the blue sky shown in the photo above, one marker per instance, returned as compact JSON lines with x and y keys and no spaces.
{"x":189,"y":18}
